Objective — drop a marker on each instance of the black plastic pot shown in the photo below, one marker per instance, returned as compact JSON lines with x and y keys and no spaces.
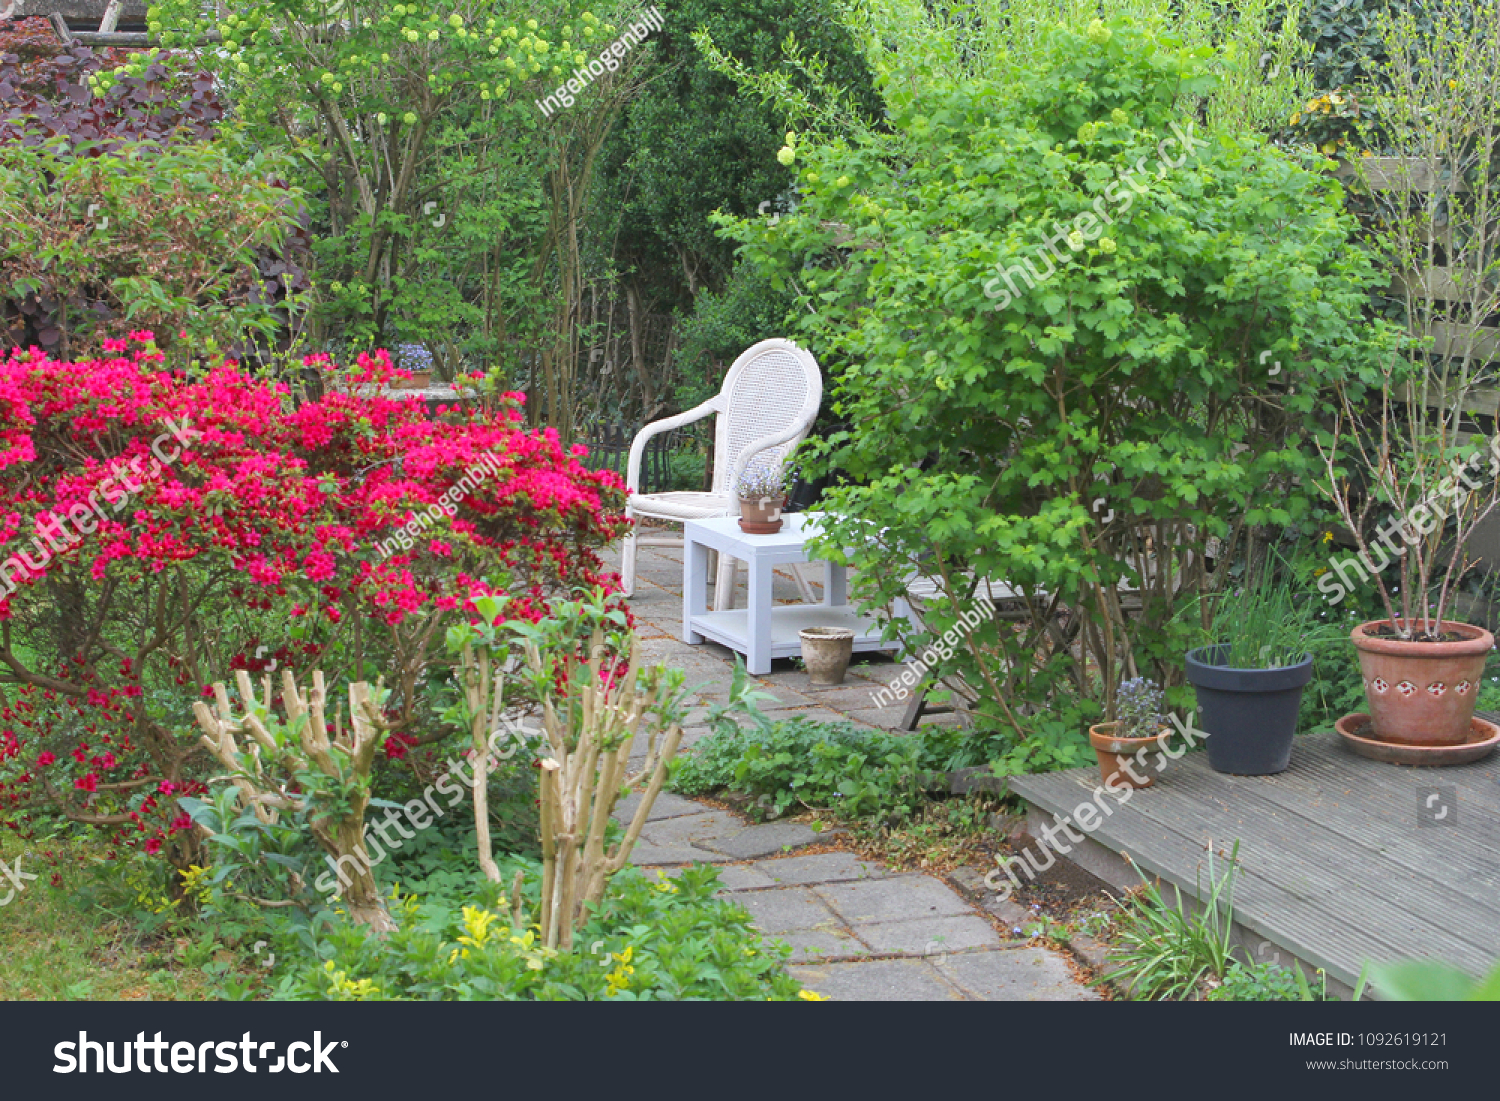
{"x":1249,"y":715}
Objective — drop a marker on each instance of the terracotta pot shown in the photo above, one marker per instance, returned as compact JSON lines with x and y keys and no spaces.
{"x":826,"y":652}
{"x":1422,"y":693}
{"x":761,"y":515}
{"x":1113,"y":752}
{"x":419,"y":380}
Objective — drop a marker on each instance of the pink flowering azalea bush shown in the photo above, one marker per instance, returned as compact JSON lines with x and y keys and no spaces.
{"x":157,"y":530}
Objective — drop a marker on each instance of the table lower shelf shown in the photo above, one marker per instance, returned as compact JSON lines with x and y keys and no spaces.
{"x":732,"y":629}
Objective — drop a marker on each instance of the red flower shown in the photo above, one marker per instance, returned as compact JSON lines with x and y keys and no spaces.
{"x":45,"y":759}
{"x":87,"y":783}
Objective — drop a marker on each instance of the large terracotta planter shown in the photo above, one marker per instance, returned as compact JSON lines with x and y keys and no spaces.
{"x":1112,"y":752}
{"x":1422,"y":693}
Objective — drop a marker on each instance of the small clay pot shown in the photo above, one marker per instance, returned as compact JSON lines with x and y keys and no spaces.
{"x":1112,"y":752}
{"x":1422,"y":693}
{"x":419,"y":380}
{"x":826,"y":652}
{"x":761,"y":515}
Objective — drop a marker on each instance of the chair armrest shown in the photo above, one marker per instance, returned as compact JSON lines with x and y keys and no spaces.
{"x":655,"y":428}
{"x":765,"y":443}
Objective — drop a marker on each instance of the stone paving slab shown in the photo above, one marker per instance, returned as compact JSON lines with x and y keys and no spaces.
{"x":763,"y":840}
{"x":818,"y":868}
{"x":878,"y":981}
{"x":795,"y":909}
{"x":739,"y":877}
{"x":648,"y":854}
{"x":821,"y":944}
{"x":694,"y":829}
{"x":666,"y":805}
{"x":896,"y":898}
{"x":1015,"y":975}
{"x":929,"y":936}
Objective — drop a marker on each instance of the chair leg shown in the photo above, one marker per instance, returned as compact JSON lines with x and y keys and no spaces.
{"x":808,"y":596}
{"x":627,"y":559}
{"x":724,"y":583}
{"x":915,"y":709}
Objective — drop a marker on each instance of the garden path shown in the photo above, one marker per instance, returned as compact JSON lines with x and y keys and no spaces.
{"x":858,"y":930}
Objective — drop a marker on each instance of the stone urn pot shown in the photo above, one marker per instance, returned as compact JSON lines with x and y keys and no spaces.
{"x":1422,"y":693}
{"x":826,"y":652}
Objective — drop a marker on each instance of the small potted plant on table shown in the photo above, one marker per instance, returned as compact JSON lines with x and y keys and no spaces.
{"x":762,"y":494}
{"x":1138,"y":726}
{"x":1250,"y":678}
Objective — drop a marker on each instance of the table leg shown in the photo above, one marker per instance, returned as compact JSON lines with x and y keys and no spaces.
{"x":758,"y":645}
{"x":694,"y":588}
{"x":836,"y":586}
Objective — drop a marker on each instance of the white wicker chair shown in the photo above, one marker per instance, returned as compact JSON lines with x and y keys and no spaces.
{"x":769,"y":400}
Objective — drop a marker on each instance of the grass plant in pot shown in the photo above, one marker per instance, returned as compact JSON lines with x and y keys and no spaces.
{"x":1138,"y":725}
{"x":1406,"y":468}
{"x":762,"y":494}
{"x":1250,"y":675}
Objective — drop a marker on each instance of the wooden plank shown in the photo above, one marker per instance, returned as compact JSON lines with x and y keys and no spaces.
{"x":1279,"y":912}
{"x":1455,"y":341}
{"x":111,"y":18}
{"x":1292,"y":846}
{"x":1336,"y":869}
{"x":1437,"y":282}
{"x":1399,"y":174}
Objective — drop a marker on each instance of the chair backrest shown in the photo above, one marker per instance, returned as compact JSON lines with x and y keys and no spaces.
{"x":774,"y":387}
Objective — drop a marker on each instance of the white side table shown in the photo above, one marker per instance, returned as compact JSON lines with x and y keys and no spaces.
{"x":763,"y":631}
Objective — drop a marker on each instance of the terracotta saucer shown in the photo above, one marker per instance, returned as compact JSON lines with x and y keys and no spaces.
{"x":1483,"y":738}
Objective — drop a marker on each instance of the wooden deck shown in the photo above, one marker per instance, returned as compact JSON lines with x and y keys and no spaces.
{"x":1341,"y":862}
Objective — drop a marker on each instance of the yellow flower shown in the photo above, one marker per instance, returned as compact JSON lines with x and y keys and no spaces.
{"x":1330,"y":147}
{"x":786,"y":155}
{"x":1320,"y":571}
{"x":811,"y":996}
{"x":1452,"y":84}
{"x":1106,"y":245}
{"x":1328,"y":537}
{"x":1296,"y":118}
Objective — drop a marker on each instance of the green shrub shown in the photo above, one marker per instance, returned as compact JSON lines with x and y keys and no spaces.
{"x":655,"y":938}
{"x":166,"y":239}
{"x":1045,"y":428}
